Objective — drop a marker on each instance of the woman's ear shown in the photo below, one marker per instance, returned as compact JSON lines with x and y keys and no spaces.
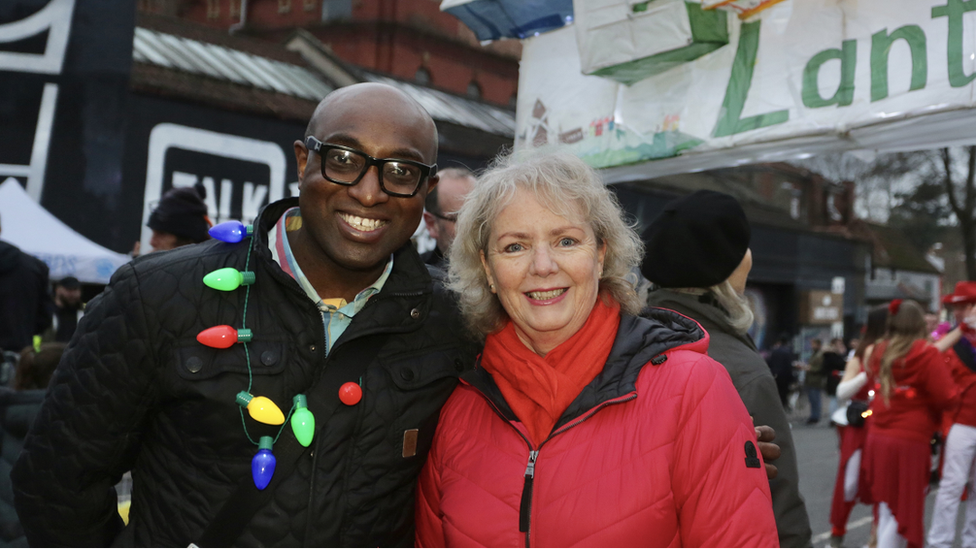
{"x":484,"y":263}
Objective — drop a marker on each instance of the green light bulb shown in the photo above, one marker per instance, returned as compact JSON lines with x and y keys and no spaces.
{"x":302,"y":421}
{"x":228,"y":279}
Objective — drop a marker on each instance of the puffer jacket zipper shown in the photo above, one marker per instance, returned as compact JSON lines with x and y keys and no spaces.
{"x":525,"y":504}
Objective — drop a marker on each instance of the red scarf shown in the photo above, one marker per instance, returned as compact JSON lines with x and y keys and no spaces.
{"x":539,"y":389}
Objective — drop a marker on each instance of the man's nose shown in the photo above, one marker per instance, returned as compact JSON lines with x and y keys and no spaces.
{"x":368,"y":191}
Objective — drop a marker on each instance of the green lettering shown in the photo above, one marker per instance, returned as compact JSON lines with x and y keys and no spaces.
{"x":740,"y":81}
{"x":954,"y":9}
{"x":881,"y":43}
{"x":844,"y":95}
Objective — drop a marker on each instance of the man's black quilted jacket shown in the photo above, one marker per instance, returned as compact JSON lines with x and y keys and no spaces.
{"x":137,"y":391}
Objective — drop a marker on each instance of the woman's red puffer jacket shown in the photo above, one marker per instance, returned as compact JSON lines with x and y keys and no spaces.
{"x":657,"y":451}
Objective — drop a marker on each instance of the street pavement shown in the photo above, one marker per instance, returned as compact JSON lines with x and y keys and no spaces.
{"x":818,"y":456}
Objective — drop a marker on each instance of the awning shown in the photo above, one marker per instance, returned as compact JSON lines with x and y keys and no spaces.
{"x":37,"y":232}
{"x":495,"y":19}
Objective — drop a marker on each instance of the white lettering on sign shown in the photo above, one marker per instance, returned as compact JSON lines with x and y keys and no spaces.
{"x":825,"y":313}
{"x":166,"y":136}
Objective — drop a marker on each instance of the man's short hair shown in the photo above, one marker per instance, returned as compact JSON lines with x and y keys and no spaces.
{"x":431,"y":204}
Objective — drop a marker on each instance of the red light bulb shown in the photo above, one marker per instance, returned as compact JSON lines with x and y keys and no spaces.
{"x":222,"y":337}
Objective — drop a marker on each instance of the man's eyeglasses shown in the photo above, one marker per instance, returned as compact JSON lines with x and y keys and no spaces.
{"x":347,"y":166}
{"x":446,"y":217}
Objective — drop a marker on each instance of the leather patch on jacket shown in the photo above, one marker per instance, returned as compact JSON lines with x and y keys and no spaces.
{"x":410,"y":442}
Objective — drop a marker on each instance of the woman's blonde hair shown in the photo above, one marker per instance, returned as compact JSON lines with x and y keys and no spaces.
{"x":569,"y":188}
{"x":904,"y":327}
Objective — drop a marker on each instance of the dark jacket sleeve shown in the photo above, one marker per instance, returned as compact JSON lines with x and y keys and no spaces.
{"x":45,"y":305}
{"x":88,"y":429}
{"x":762,"y":400}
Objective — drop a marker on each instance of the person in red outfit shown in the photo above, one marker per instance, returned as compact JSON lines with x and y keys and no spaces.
{"x":854,"y":387}
{"x":582,"y":424}
{"x":960,"y":445}
{"x":912,"y":387}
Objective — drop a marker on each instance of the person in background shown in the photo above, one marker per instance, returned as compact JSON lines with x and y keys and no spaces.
{"x":180,"y":218}
{"x":68,"y":308}
{"x":959,"y":458}
{"x":583,"y":423}
{"x":853,"y":387}
{"x":780,"y":363}
{"x":852,"y":346}
{"x":341,"y":312}
{"x":834,"y":363}
{"x":913,"y":386}
{"x":814,"y":381}
{"x":698,"y":259}
{"x":441,"y":207}
{"x":18,"y":407}
{"x":25,"y":303}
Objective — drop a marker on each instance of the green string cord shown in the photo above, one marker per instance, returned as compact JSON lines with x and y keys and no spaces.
{"x":247,"y":356}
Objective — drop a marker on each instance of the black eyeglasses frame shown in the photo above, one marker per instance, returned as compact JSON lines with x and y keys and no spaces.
{"x":426,"y":171}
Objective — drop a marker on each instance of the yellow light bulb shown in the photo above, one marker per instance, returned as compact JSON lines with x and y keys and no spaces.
{"x":261,"y":408}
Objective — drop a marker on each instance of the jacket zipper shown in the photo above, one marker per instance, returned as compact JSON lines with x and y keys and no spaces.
{"x":525,"y":505}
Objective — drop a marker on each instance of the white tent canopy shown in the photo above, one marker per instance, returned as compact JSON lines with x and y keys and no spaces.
{"x":27,"y":225}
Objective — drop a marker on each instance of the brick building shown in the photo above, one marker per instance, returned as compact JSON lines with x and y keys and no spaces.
{"x":407,"y":39}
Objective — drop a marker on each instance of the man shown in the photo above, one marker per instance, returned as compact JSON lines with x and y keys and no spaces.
{"x":68,"y":308}
{"x":179,"y":219}
{"x":342,"y":309}
{"x":780,"y":363}
{"x":814,"y":380}
{"x":25,"y":305}
{"x":960,"y":444}
{"x":442,"y":206}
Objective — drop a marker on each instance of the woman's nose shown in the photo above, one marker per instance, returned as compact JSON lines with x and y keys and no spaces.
{"x":542,"y":261}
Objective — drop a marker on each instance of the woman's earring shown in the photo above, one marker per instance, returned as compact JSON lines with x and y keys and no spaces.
{"x":491,"y":287}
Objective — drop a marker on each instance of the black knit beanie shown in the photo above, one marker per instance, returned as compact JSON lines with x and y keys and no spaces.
{"x":181,"y":211}
{"x":696,"y":242}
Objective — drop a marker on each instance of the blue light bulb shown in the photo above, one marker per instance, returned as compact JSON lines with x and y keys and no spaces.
{"x":231,"y":231}
{"x":263,"y":464}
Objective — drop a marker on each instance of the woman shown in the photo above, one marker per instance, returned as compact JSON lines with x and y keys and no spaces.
{"x":912,"y":386}
{"x":698,"y":258}
{"x":853,"y":386}
{"x":583,"y":424}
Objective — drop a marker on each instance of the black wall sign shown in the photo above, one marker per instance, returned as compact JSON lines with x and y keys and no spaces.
{"x":64,"y":73}
{"x":244,"y":161}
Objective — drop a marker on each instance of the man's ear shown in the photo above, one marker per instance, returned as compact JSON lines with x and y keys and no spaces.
{"x":431,"y":223}
{"x":432,"y":182}
{"x":301,"y":157}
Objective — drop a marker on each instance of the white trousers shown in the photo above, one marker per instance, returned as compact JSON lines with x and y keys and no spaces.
{"x":888,"y":535}
{"x":851,"y":474}
{"x":957,"y":470}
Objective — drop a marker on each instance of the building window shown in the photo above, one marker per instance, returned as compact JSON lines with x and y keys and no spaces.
{"x":422,"y":76}
{"x":213,"y":9}
{"x":235,"y":8}
{"x":336,"y":10}
{"x":474,"y":90}
{"x":309,"y":5}
{"x":284,"y":6}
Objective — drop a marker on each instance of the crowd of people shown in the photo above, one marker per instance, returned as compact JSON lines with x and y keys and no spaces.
{"x":545,"y":376}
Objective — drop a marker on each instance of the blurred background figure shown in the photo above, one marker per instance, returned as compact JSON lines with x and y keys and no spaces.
{"x":914,"y":387}
{"x":780,"y":364}
{"x":68,"y":309}
{"x":18,"y":406}
{"x":854,"y":394}
{"x":25,"y":304}
{"x":834,"y":362}
{"x":698,"y":259}
{"x":959,"y":453}
{"x":814,"y":380}
{"x":441,"y":209}
{"x":180,"y":218}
